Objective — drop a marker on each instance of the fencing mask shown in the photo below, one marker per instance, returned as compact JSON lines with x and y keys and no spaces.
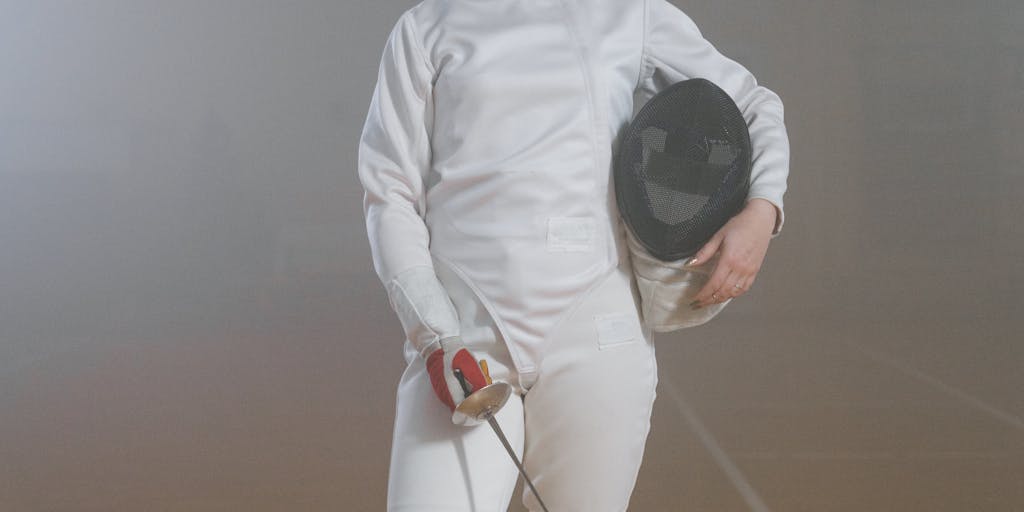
{"x":683,"y":168}
{"x":681,"y":172}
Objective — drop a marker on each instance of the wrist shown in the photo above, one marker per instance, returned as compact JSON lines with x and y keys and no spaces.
{"x":763,"y":209}
{"x":429,"y":348}
{"x":451,"y":344}
{"x":446,"y":344}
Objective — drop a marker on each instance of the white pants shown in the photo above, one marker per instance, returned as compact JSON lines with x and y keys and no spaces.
{"x":580,"y":429}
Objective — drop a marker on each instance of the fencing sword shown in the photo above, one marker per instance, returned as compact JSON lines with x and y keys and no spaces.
{"x":481,"y":405}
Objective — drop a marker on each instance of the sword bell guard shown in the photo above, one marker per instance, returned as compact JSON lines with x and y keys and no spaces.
{"x":482,"y":404}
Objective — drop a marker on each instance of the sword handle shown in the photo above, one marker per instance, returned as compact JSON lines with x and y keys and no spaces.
{"x":462,"y":381}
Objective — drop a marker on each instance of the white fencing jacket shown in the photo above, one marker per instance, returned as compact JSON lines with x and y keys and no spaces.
{"x":488,"y":148}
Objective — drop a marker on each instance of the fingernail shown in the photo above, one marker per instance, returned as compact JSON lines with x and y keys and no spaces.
{"x":692,"y":261}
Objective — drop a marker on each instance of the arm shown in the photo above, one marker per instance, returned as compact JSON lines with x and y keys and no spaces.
{"x":675,"y":50}
{"x":394,"y":158}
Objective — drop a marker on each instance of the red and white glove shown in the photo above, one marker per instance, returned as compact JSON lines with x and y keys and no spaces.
{"x":432,"y":326}
{"x":441,"y":364}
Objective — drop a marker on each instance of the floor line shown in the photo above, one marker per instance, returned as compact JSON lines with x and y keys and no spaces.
{"x":875,"y":455}
{"x":974,"y":401}
{"x":732,"y":472}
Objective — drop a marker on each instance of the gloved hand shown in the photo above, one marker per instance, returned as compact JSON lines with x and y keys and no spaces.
{"x":432,"y":326}
{"x":441,"y":364}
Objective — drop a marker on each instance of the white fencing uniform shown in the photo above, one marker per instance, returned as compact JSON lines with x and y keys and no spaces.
{"x":486,"y":159}
{"x":584,"y":422}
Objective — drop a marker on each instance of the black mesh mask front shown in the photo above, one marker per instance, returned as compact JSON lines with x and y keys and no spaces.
{"x":683,"y":168}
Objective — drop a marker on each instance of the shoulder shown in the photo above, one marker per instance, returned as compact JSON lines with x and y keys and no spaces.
{"x":669,"y":13}
{"x":424,"y":15}
{"x":429,"y":17}
{"x":427,"y":14}
{"x":436,"y":23}
{"x":665,"y":10}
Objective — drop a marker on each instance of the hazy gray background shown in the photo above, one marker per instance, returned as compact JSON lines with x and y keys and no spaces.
{"x":189,"y":318}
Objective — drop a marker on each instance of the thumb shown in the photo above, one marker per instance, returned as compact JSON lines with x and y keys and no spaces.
{"x":706,"y":252}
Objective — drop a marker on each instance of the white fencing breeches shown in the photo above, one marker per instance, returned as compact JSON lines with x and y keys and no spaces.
{"x":580,"y":429}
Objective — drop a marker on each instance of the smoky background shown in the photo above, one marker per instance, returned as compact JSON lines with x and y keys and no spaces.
{"x":189,"y":318}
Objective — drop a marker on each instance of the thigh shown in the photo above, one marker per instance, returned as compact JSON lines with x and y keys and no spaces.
{"x":588,"y":416}
{"x":438,"y":466}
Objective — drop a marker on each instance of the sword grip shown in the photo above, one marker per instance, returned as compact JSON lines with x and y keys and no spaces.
{"x":462,"y":381}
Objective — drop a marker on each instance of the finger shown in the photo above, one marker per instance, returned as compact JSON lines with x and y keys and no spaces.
{"x":471,"y":371}
{"x":706,"y":252}
{"x":734,"y":287}
{"x":725,"y":292}
{"x":443,"y":387}
{"x":750,"y":282}
{"x":718,"y":277}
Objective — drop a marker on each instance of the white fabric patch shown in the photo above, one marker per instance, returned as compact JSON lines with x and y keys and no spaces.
{"x":570,"y":234}
{"x":616,"y":329}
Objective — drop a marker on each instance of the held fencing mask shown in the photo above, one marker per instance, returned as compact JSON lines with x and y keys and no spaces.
{"x":683,"y":168}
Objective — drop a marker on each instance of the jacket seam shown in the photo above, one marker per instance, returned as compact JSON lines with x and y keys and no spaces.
{"x":643,"y":47}
{"x":499,"y":323}
{"x":422,"y":97}
{"x":417,"y":43}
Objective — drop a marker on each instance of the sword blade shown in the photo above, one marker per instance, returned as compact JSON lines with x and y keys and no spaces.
{"x":511,"y":453}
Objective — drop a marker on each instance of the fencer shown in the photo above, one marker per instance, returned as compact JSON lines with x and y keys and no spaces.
{"x":485,"y":158}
